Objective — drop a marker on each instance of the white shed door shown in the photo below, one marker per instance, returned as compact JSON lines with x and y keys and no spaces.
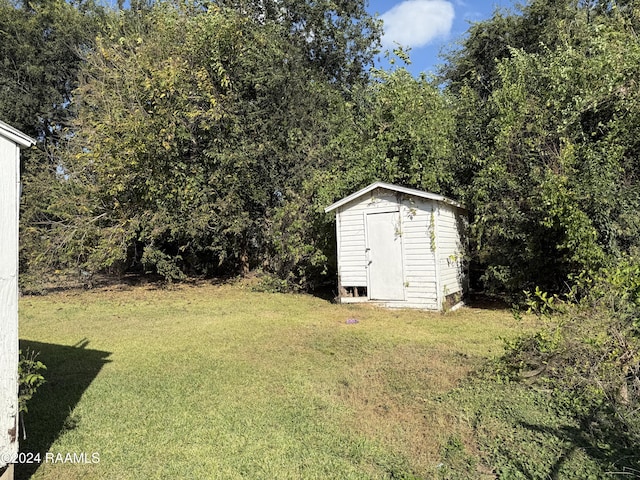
{"x":385,"y":256}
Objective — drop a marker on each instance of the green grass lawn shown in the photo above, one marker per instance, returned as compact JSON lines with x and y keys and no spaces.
{"x":223,"y":382}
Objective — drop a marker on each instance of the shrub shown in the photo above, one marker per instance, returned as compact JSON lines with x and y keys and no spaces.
{"x":29,"y":377}
{"x":588,"y":356}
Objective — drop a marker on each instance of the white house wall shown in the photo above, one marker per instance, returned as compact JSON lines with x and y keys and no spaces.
{"x":9,"y":185}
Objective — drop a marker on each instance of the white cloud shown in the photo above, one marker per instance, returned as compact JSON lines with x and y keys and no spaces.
{"x":414,"y":23}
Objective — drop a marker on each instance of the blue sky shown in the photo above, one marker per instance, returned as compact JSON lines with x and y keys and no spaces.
{"x":429,"y":26}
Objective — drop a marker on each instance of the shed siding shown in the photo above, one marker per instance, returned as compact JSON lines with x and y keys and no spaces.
{"x":352,"y":258}
{"x":9,"y":188}
{"x":351,"y":254}
{"x":420,"y":274}
{"x":451,"y":250}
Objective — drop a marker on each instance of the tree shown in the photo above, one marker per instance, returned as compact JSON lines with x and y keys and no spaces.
{"x":337,"y":38}
{"x":195,"y":124}
{"x":552,"y":172}
{"x":399,"y":130}
{"x":40,"y":52}
{"x":41,"y":45}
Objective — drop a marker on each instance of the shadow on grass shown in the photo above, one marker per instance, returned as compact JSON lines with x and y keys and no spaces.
{"x":70,"y":371}
{"x":486,"y":302}
{"x":325,"y":292}
{"x":606,"y":443}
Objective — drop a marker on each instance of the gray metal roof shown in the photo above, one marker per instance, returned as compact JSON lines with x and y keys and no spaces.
{"x":394,"y":188}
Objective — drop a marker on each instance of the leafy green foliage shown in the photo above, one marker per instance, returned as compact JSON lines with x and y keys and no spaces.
{"x":589,"y":358}
{"x":41,"y":48}
{"x":299,"y":240}
{"x":29,"y":377}
{"x":541,"y":303}
{"x":272,"y":284}
{"x":195,"y":127}
{"x":40,"y":53}
{"x":545,"y":145}
{"x":337,"y":37}
{"x":145,"y":106}
{"x":397,"y":129}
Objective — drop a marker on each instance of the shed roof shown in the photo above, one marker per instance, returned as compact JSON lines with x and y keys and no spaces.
{"x":15,"y":135}
{"x":394,"y":188}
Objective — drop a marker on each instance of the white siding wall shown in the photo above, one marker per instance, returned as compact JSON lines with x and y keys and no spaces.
{"x":451,"y":250}
{"x":9,"y":188}
{"x":351,"y":248}
{"x":419,"y":258}
{"x":352,"y":258}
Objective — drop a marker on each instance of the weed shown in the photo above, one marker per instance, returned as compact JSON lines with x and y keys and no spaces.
{"x":30,"y":377}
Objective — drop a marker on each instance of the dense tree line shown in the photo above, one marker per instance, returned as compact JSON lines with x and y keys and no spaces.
{"x":549,"y":163}
{"x":188,"y":127}
{"x":205,"y":138}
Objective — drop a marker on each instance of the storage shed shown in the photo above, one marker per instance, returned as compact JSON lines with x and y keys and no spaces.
{"x":400,"y":247}
{"x":11,"y":140}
